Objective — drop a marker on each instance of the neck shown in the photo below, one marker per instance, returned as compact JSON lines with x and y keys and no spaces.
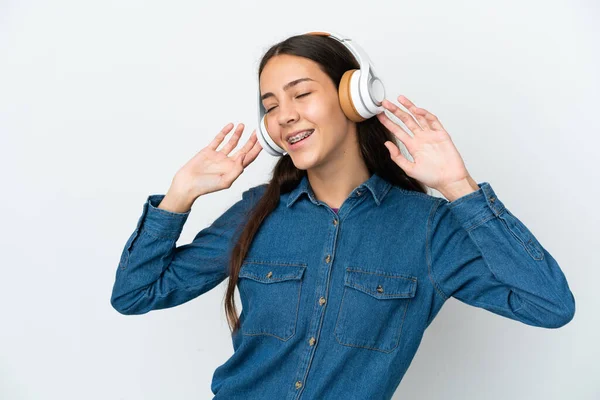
{"x":333,"y":182}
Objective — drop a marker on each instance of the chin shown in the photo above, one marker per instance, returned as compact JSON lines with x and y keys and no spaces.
{"x":301,"y":164}
{"x":305,"y":161}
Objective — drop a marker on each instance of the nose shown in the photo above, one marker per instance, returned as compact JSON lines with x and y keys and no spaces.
{"x":287,"y":113}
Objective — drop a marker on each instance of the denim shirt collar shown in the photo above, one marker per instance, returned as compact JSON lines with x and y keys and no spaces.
{"x":375,"y":184}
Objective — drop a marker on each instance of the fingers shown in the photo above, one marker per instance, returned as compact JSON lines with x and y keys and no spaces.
{"x":417,"y":112}
{"x":396,"y":129}
{"x":251,"y":149}
{"x":254,"y":151}
{"x":243,"y":158}
{"x":233,"y":140}
{"x":424,"y":117}
{"x":220,"y":136}
{"x":405,"y":117}
{"x":397,"y":156}
{"x":248,"y":145}
{"x":247,"y":153}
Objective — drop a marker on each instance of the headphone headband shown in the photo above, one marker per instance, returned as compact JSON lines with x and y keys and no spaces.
{"x":364,"y":62}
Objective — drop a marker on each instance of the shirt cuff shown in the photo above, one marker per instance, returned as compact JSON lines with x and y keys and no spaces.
{"x":162,"y":223}
{"x":476,"y":206}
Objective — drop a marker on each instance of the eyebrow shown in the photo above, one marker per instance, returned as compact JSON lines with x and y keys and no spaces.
{"x":286,"y":87}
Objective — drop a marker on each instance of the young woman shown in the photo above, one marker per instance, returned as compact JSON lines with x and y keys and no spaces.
{"x":343,"y":259}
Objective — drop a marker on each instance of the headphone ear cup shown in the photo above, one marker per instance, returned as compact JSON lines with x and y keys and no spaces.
{"x":266,"y":142}
{"x":345,"y":96}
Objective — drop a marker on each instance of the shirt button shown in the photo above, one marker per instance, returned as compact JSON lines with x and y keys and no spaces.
{"x":270,"y":274}
{"x":379,"y":289}
{"x":298,"y":385}
{"x":312,"y":341}
{"x":335,"y":222}
{"x":328,"y":258}
{"x":322,"y":300}
{"x":358,"y":192}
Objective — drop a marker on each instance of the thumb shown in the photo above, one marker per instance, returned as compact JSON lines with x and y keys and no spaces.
{"x":397,"y":156}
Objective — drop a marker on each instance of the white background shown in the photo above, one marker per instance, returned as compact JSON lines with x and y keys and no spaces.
{"x":102,"y":102}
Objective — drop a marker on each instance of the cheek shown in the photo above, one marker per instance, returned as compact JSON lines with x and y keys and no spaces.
{"x":313,"y":112}
{"x":322,"y":112}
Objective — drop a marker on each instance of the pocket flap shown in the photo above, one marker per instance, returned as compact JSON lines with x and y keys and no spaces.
{"x":381,"y":285}
{"x":270,"y":272}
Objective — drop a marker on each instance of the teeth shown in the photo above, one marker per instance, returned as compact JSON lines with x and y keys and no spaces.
{"x":299,"y":136}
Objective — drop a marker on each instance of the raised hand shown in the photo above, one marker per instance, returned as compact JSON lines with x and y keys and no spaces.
{"x":437,"y":162}
{"x":211,"y":170}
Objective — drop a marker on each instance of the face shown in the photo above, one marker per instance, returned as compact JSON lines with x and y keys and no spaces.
{"x":298,"y":95}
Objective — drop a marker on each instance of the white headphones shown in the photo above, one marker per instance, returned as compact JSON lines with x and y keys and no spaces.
{"x":360,"y":91}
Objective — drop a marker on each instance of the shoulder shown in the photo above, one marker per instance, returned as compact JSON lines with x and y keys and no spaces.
{"x":420,"y":210}
{"x":414,"y":198}
{"x":255,"y":190}
{"x":253,"y":194}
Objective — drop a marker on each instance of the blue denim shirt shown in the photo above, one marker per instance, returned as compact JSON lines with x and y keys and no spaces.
{"x":334,"y":306}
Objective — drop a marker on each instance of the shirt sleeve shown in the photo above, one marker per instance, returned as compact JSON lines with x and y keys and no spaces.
{"x":154,"y":274}
{"x":484,"y":256}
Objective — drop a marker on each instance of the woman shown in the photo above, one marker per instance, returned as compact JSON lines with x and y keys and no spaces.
{"x":343,"y":259}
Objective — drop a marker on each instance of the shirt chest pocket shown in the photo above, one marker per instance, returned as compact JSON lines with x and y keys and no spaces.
{"x":373,"y":309}
{"x":270,"y":292}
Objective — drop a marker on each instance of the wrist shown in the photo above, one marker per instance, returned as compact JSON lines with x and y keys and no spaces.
{"x":177,"y":202}
{"x":458,"y":189}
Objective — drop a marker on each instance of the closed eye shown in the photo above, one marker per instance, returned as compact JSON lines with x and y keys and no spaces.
{"x":300,"y":95}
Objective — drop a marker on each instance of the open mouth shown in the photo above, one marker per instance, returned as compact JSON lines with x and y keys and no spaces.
{"x":299,"y":139}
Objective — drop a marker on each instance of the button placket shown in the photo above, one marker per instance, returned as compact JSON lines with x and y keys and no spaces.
{"x":316,"y":323}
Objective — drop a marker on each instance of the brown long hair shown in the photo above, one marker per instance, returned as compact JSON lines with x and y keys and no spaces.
{"x":334,"y":59}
